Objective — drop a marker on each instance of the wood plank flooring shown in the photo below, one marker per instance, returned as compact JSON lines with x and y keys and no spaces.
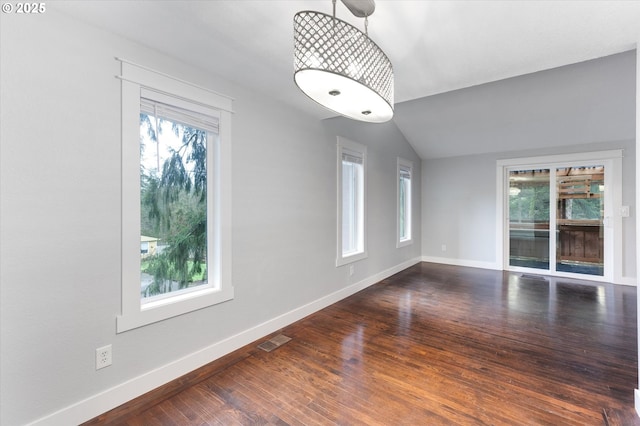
{"x":432,"y":345}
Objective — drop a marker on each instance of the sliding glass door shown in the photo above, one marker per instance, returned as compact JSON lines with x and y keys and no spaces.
{"x":556,"y":218}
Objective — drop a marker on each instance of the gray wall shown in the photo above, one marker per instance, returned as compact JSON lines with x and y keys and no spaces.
{"x":577,"y":104}
{"x":578,"y":108}
{"x":60,"y":216}
{"x":459,"y":208}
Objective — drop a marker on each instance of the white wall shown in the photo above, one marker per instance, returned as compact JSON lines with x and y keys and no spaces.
{"x":459,"y":193}
{"x":60,"y":223}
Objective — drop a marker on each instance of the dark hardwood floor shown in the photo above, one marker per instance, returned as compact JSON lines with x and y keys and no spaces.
{"x":432,"y":345}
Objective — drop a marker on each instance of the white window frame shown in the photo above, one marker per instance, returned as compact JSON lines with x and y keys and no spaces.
{"x":351,"y":148}
{"x":404,"y":165}
{"x":136,"y":79}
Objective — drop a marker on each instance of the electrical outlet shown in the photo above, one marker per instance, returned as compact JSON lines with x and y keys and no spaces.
{"x":351,"y":269}
{"x":103,"y":357}
{"x":444,"y":247}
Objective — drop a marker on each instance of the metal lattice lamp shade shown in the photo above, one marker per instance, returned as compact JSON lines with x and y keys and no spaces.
{"x":338,"y":66}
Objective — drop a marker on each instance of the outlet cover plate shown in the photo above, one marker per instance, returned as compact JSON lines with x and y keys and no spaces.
{"x":103,"y":357}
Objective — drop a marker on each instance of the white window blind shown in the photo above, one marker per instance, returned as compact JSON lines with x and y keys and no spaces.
{"x":202,"y":117}
{"x":405,"y":172}
{"x":352,"y":157}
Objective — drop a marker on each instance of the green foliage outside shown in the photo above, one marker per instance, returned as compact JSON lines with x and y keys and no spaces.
{"x":147,"y":265}
{"x":530,"y":205}
{"x":174,"y":209}
{"x":585,"y":208}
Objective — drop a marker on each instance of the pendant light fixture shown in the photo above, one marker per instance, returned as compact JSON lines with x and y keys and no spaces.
{"x":340,"y":67}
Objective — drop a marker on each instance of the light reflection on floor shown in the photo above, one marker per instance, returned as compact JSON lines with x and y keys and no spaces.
{"x":558,"y":292}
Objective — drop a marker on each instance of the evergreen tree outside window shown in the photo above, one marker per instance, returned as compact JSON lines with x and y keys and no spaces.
{"x":173,"y":196}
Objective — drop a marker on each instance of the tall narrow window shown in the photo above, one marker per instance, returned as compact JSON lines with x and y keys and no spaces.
{"x":405,"y":171}
{"x":351,"y":201}
{"x":176,"y":210}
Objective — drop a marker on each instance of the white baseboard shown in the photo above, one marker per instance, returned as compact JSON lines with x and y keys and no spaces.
{"x":627,"y":281}
{"x":630,"y":281}
{"x":636,"y":395}
{"x":461,"y":262}
{"x":111,"y":398}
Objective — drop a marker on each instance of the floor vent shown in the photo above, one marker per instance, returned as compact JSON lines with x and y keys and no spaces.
{"x":274,"y":343}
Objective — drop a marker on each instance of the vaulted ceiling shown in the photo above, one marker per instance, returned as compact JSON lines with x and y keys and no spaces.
{"x":434,"y":46}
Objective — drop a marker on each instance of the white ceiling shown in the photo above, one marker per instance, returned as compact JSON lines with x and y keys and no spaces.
{"x":434,"y":46}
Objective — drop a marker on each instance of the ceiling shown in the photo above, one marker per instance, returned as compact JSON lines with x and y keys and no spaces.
{"x":434,"y":46}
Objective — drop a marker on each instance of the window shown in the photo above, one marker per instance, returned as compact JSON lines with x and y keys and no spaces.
{"x":405,"y":170}
{"x":352,"y":178}
{"x":175,"y":197}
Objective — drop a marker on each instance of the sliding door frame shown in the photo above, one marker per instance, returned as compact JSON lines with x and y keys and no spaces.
{"x":612,"y":160}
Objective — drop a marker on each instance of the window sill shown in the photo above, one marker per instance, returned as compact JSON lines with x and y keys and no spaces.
{"x":341,"y":261}
{"x":188,"y":302}
{"x":404,"y":243}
